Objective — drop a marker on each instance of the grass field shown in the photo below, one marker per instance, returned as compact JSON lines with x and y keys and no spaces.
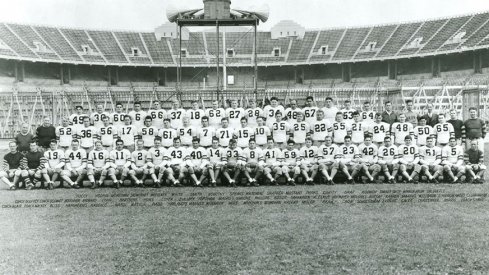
{"x":414,"y":238}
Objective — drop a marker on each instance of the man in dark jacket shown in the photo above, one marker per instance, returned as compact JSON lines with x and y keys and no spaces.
{"x":431,"y":118}
{"x":12,"y":166}
{"x":389,"y":116}
{"x":45,"y":133}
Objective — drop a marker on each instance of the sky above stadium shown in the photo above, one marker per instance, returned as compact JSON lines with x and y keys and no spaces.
{"x":148,"y":14}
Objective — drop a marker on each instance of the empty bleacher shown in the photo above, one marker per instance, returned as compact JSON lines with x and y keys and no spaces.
{"x":301,"y":49}
{"x":476,"y":22}
{"x":15,"y":43}
{"x":447,"y":31}
{"x":426,"y":31}
{"x":398,"y":39}
{"x":56,"y":41}
{"x":158,"y":50}
{"x":108,"y":46}
{"x":31,"y":38}
{"x":379,"y":36}
{"x":350,"y":43}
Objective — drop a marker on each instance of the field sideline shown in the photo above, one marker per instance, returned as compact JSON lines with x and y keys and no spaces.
{"x":445,"y":237}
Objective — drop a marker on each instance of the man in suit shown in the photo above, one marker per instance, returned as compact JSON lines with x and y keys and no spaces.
{"x":431,"y":118}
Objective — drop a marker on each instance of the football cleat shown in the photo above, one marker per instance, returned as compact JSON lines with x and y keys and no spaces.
{"x":94,"y":185}
{"x":50,"y":185}
{"x":13,"y":188}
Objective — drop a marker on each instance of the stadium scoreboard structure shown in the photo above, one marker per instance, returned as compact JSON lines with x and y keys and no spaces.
{"x":217,"y":13}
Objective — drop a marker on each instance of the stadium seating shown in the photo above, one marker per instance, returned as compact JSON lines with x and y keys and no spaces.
{"x":367,"y":43}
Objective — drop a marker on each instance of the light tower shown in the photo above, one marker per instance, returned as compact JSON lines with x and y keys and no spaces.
{"x":217,"y":13}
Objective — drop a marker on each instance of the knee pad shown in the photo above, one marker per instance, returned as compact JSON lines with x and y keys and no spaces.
{"x":24,"y":173}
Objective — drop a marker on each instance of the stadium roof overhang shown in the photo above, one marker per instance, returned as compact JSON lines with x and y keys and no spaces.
{"x":238,"y":17}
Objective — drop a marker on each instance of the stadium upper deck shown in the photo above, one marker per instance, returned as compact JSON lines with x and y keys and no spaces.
{"x":373,"y":43}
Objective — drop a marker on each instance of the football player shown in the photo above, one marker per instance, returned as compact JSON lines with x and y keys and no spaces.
{"x":271,"y":110}
{"x":76,"y":119}
{"x":176,"y":156}
{"x":262,"y":132}
{"x":107,"y":134}
{"x":157,"y":163}
{"x":341,"y":129}
{"x":368,"y":115}
{"x":308,"y":159}
{"x":157,"y":114}
{"x":64,"y":134}
{"x":167,"y":133}
{"x":206,"y":133}
{"x":358,"y":129}
{"x":292,"y":112}
{"x":369,"y":158}
{"x":137,"y":115}
{"x":234,"y":114}
{"x":139,"y":167}
{"x":330,"y":110}
{"x":214,"y":167}
{"x":348,"y":160}
{"x":401,"y":129}
{"x":215,"y":115}
{"x":117,"y":118}
{"x":175,"y":114}
{"x":320,"y":128}
{"x":243,"y":133}
{"x":348,"y":112}
{"x":300,"y":130}
{"x":86,"y":134}
{"x":197,"y":160}
{"x":253,"y":156}
{"x":55,"y":161}
{"x":147,"y":133}
{"x":11,"y":165}
{"x":98,"y":164}
{"x":291,"y":168}
{"x":409,"y":160}
{"x":452,"y":159}
{"x":75,"y":165}
{"x":443,"y":131}
{"x":388,"y":159}
{"x":128,"y":133}
{"x":187,"y":132}
{"x":279,"y":130}
{"x":430,"y":159}
{"x":121,"y":161}
{"x":327,"y":159}
{"x":195,"y":114}
{"x":273,"y":158}
{"x":474,"y":162}
{"x":422,"y":131}
{"x":232,"y":158}
{"x":310,"y":110}
{"x":225,"y":133}
{"x":98,"y":117}
{"x":253,"y":112}
{"x":379,"y":130}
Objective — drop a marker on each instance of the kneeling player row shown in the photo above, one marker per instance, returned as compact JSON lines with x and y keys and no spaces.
{"x":177,"y":162}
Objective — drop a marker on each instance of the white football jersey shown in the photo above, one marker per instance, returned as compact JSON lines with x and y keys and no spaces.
{"x":167,"y":135}
{"x":310,"y":114}
{"x":186,"y":134}
{"x":148,"y":135}
{"x":270,"y":112}
{"x":348,"y":115}
{"x":205,"y":135}
{"x":368,"y":117}
{"x":272,"y":156}
{"x":75,"y":158}
{"x":261,"y":135}
{"x":309,"y":155}
{"x":139,"y":157}
{"x":215,"y":154}
{"x":408,"y":153}
{"x":401,"y":130}
{"x":120,"y":158}
{"x":279,"y":131}
{"x":197,"y":156}
{"x":300,"y":131}
{"x":423,"y":132}
{"x":176,"y":116}
{"x":340,"y":131}
{"x":54,"y":157}
{"x":65,"y":135}
{"x":127,"y":133}
{"x":379,"y":131}
{"x":291,"y":156}
{"x":97,"y":118}
{"x":430,"y":155}
{"x":330,"y":113}
{"x":138,"y":118}
{"x":349,"y":152}
{"x":176,"y":155}
{"x":107,"y":135}
{"x":368,"y":152}
{"x":235,"y":116}
{"x":98,"y":158}
{"x":453,"y":154}
{"x":117,"y":119}
{"x":388,"y":154}
{"x":195,"y":117}
{"x":243,"y":136}
{"x":328,"y":153}
{"x":253,"y":155}
{"x":86,"y":136}
{"x":158,"y":116}
{"x":252,"y":114}
{"x":77,"y":120}
{"x":215,"y":116}
{"x":321,"y":129}
{"x":156,"y":155}
{"x":443,"y":132}
{"x":291,"y":114}
{"x":224,"y":135}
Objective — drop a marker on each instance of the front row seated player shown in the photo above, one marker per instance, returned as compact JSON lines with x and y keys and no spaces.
{"x":388,"y":160}
{"x":308,"y":161}
{"x":176,"y":166}
{"x":430,"y":160}
{"x":34,"y":165}
{"x":253,"y":169}
{"x":453,"y":160}
{"x":120,"y":163}
{"x":196,"y":162}
{"x":55,"y":161}
{"x":328,"y":164}
{"x":233,"y":162}
{"x":214,"y":167}
{"x":12,"y":166}
{"x":139,"y":165}
{"x":98,"y":165}
{"x":272,"y":156}
{"x":409,"y":160}
{"x":474,"y":163}
{"x":347,"y":158}
{"x":290,"y":168}
{"x":75,"y":165}
{"x":369,"y":158}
